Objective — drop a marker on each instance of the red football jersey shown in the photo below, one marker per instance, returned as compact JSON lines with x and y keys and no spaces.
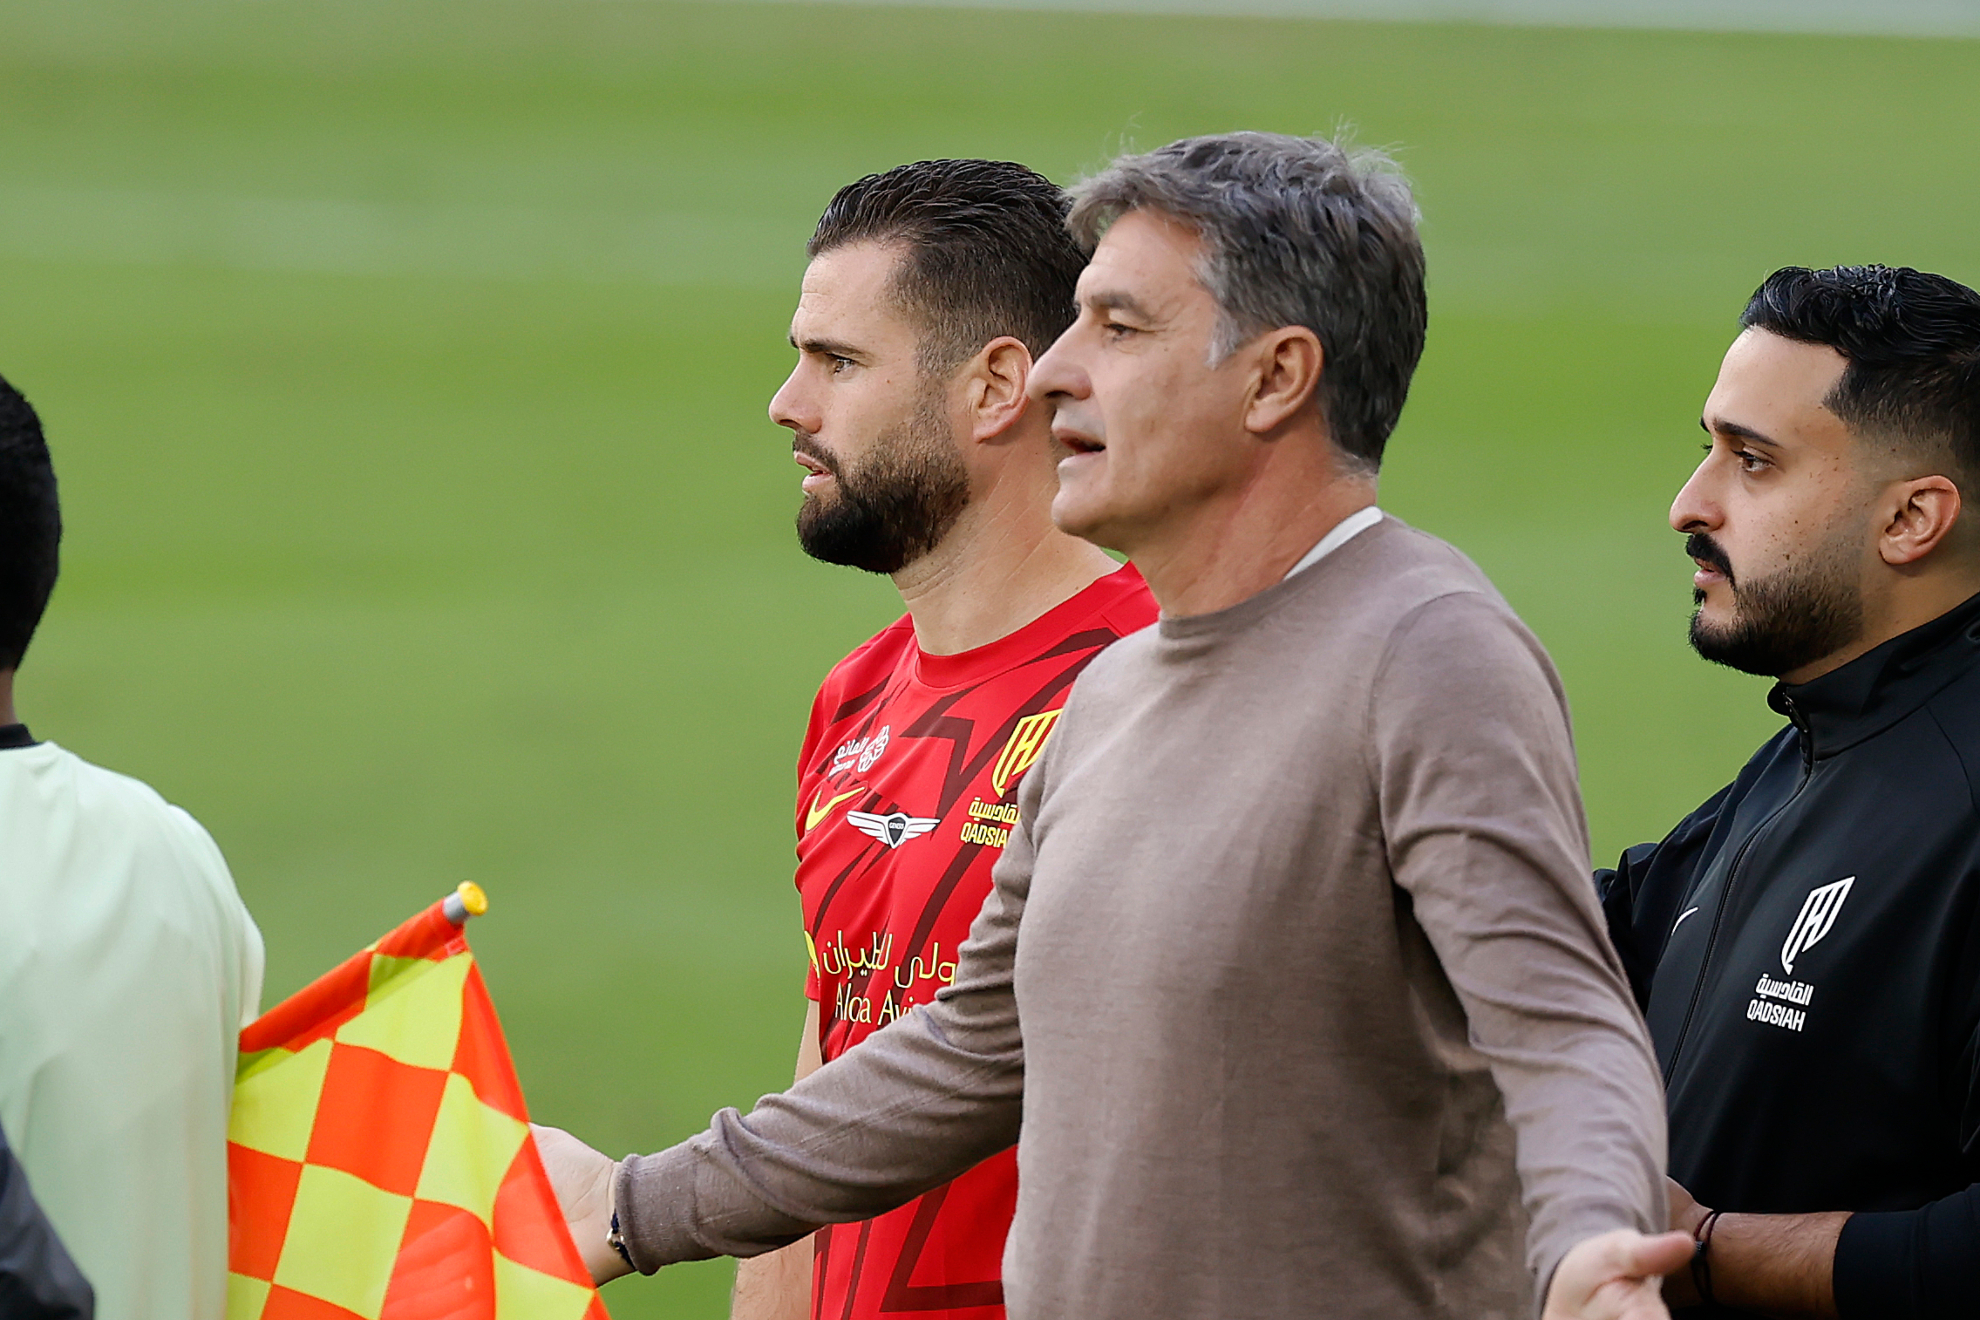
{"x":907,"y":790}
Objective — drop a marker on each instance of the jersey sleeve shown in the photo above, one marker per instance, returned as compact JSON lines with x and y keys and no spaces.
{"x":245,"y":955}
{"x":814,"y":733}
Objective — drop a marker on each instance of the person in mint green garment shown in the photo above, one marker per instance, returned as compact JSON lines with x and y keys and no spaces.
{"x":128,"y":964}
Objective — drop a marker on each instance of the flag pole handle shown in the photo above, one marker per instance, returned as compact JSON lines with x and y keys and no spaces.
{"x":466,"y":901}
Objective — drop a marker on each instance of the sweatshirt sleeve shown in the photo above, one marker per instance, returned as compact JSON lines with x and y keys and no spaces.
{"x":1475,"y":770}
{"x":1911,"y":1264}
{"x":918,"y":1102}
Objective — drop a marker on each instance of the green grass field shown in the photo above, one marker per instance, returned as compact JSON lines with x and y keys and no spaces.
{"x":405,"y":366}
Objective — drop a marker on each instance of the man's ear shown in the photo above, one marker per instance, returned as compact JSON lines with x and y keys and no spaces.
{"x":1288,"y":363}
{"x":1921,"y":517}
{"x":995,"y":396}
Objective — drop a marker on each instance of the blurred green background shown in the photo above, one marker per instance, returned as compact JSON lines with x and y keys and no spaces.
{"x":405,"y":366}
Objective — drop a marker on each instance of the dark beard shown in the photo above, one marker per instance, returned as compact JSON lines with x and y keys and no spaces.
{"x":896,"y":505}
{"x":1786,"y":621}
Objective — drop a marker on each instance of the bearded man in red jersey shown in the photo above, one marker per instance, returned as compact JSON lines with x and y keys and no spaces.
{"x":930,"y":291}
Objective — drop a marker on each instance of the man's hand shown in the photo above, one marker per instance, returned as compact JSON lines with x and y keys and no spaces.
{"x":1615,"y":1276}
{"x":582,"y":1179}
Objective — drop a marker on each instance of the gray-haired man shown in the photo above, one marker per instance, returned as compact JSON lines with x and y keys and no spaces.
{"x":1311,"y":992}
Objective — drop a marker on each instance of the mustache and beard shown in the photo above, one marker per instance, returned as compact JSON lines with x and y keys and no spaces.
{"x":1788,"y":619}
{"x":893,"y":506}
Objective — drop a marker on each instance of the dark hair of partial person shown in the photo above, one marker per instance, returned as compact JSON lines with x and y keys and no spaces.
{"x":986,"y":251}
{"x":1912,"y":341}
{"x":30,"y":525}
{"x":1295,"y":231}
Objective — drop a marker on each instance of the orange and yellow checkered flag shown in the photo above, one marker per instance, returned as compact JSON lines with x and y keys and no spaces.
{"x":379,"y":1165}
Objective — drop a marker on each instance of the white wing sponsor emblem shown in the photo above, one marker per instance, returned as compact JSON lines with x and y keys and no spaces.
{"x":1818,"y":913}
{"x":892,"y":830}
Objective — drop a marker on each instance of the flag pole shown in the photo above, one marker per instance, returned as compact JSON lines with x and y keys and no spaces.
{"x":466,"y":901}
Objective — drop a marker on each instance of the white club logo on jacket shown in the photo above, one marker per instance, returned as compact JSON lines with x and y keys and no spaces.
{"x":1818,"y":914}
{"x":1785,"y":1003}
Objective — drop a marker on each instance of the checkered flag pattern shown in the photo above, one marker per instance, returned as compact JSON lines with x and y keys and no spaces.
{"x":379,"y":1160}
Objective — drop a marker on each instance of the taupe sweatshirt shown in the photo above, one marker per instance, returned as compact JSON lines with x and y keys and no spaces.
{"x":1292,"y":990}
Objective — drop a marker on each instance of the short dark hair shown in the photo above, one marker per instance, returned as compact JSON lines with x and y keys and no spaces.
{"x":1295,"y":231}
{"x":987,"y":252}
{"x":1913,"y":344}
{"x":30,"y":525}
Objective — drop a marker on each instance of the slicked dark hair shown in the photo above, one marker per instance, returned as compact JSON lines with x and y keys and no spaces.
{"x":987,"y":252}
{"x":1913,"y":344}
{"x":1295,"y":231}
{"x":30,"y":525}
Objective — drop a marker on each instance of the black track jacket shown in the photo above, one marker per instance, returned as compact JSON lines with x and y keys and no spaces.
{"x":1806,"y":948}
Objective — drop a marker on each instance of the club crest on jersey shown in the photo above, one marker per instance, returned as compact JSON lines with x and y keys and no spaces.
{"x":860,"y":753}
{"x":893,"y":829}
{"x":1818,"y":914}
{"x":1026,"y":742}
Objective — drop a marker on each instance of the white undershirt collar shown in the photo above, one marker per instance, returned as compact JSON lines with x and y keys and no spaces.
{"x":1342,"y":532}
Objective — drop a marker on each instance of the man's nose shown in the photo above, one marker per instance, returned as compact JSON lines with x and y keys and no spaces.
{"x":1056,"y":373}
{"x":788,"y":407}
{"x":1694,"y":509}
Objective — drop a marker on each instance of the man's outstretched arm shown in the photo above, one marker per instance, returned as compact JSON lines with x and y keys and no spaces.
{"x":777,"y":1286}
{"x":1483,"y":817}
{"x":919,"y":1102}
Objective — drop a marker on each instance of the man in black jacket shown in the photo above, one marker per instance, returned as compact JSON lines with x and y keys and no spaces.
{"x":38,"y":1281}
{"x":1806,"y":945}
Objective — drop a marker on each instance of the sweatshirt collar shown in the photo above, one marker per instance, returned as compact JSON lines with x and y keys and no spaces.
{"x":1234,"y":618}
{"x":1884,"y":684}
{"x":1337,"y":536}
{"x":15,"y":735}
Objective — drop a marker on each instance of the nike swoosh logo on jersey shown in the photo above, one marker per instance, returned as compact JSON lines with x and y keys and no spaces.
{"x":1680,"y":920}
{"x":815,"y":813}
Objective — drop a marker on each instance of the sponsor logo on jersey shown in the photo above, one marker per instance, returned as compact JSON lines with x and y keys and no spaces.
{"x":818,"y":811}
{"x":893,"y":829}
{"x":861,"y":753}
{"x":1784,"y":1004}
{"x":1026,"y":742}
{"x":1818,"y":914}
{"x":989,"y":823}
{"x":835,"y":962}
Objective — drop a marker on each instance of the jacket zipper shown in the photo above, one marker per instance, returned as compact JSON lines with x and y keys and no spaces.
{"x":1732,"y":876}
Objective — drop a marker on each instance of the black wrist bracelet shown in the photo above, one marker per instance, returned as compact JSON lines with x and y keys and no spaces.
{"x":1701,"y":1258}
{"x":617,"y":1241}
